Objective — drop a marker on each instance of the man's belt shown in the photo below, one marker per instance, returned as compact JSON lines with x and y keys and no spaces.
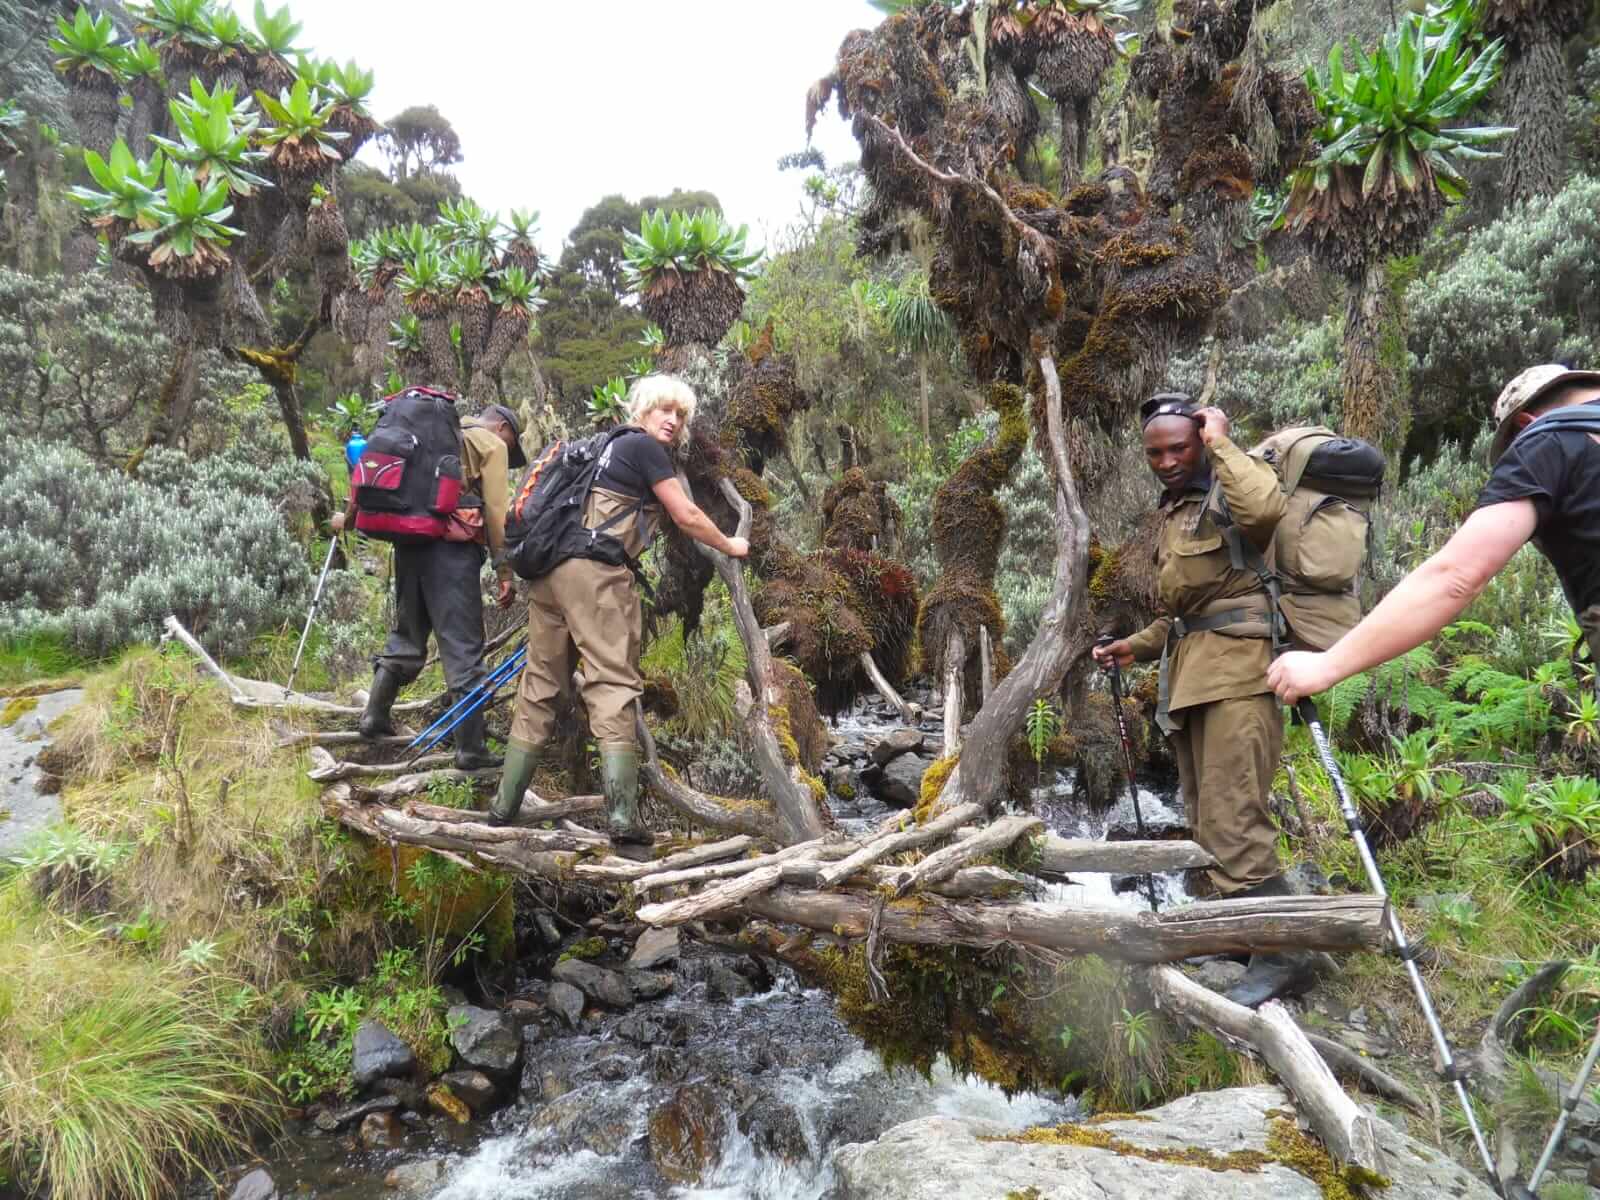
{"x":1242,"y":612}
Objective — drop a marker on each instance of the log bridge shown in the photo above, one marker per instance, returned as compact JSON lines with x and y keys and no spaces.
{"x":957,"y":880}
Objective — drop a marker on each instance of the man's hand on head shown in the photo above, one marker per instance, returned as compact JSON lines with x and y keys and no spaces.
{"x":1213,"y":424}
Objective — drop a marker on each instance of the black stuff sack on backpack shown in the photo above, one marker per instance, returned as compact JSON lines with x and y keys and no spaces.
{"x":408,"y":479}
{"x":545,"y":525}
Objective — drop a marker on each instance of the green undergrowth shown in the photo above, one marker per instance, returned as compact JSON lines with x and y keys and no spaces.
{"x":195,"y":861}
{"x":39,"y":660}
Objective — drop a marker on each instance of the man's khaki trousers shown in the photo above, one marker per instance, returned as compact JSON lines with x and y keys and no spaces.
{"x":1227,"y":753}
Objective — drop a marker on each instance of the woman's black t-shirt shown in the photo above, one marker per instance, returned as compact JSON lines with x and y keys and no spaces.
{"x":634,"y":462}
{"x":1559,"y":470}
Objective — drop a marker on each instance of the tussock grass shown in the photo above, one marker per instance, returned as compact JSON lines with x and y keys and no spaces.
{"x":42,"y":663}
{"x":119,"y":1076}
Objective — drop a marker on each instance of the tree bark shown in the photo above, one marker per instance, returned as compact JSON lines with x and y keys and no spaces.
{"x":1535,"y":83}
{"x":1374,"y":400}
{"x":896,"y":842}
{"x":942,"y":864}
{"x":1344,"y":1129}
{"x":980,"y":775}
{"x":955,"y":670}
{"x":170,"y":416}
{"x":908,"y":712}
{"x":1060,"y":856}
{"x":1210,"y":927}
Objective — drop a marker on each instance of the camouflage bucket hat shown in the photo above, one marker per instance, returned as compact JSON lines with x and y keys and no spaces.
{"x":1523,"y":391}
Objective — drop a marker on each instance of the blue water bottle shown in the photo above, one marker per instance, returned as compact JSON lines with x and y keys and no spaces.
{"x":354,"y":447}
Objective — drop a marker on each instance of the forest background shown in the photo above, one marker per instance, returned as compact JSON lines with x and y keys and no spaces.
{"x":172,"y":443}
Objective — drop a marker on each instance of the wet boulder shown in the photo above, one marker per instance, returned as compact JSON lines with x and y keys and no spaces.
{"x":330,"y":1120}
{"x":900,"y":782}
{"x":484,"y":1038}
{"x":567,"y":1000}
{"x":901,"y":741}
{"x":654,"y":948}
{"x":381,"y":1131}
{"x":413,"y":1179}
{"x":686,"y":1134}
{"x":649,"y":985}
{"x":475,"y":1087}
{"x":607,"y":987}
{"x":1242,"y":1143}
{"x":598,"y":1119}
{"x":380,"y":1054}
{"x":258,"y":1185}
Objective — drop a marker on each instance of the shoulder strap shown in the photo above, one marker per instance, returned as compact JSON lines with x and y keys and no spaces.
{"x":1584,"y":418}
{"x":1243,"y":556}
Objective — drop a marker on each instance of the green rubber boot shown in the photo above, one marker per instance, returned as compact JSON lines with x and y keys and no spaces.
{"x":619,"y":774}
{"x":521,"y":762}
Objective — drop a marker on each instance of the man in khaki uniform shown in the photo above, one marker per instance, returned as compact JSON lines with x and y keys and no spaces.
{"x":593,"y":606}
{"x":437,"y":589}
{"x":1225,"y":724}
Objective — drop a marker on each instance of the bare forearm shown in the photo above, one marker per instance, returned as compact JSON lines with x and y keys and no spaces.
{"x":1422,"y":604}
{"x":702,"y":529}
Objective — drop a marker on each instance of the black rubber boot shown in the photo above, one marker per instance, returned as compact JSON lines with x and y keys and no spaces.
{"x":1274,"y":976}
{"x":521,"y":762}
{"x":471,"y":753}
{"x":375,"y":722}
{"x":619,"y":774}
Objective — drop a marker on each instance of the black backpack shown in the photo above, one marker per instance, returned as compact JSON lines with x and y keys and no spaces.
{"x":545,"y":526}
{"x":408,"y":479}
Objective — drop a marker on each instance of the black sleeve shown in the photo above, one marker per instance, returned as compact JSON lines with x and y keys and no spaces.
{"x":1531,"y":469}
{"x":650,"y":459}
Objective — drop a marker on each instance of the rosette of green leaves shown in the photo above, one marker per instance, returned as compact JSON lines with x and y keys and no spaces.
{"x":683,"y":243}
{"x":423,"y":279}
{"x":214,"y":137}
{"x":277,"y":30}
{"x":140,"y":61}
{"x":516,"y":290}
{"x":1391,"y":115}
{"x":185,"y":23}
{"x":297,"y":117}
{"x":405,"y":334}
{"x":88,"y":44}
{"x":465,"y":223}
{"x":347,"y":86}
{"x":191,"y":227}
{"x":609,"y":404}
{"x":128,"y":189}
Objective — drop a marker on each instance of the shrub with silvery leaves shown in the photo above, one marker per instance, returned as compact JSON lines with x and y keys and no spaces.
{"x":92,"y":556}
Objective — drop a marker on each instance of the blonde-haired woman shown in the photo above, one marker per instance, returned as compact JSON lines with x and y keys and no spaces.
{"x":596,"y":605}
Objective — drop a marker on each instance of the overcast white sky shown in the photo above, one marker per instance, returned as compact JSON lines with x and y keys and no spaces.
{"x":558,"y":104}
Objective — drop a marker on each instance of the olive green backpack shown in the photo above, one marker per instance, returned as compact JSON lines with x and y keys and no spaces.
{"x":1311,"y":568}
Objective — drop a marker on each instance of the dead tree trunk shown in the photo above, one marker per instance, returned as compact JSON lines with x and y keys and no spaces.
{"x":980,"y":775}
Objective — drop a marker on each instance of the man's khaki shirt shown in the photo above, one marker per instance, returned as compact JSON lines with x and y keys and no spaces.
{"x":485,"y":467}
{"x":1195,"y":571}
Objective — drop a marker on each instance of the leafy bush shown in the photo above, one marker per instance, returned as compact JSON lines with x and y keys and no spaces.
{"x":83,"y":360}
{"x":1288,"y":376}
{"x":98,"y":559}
{"x":1524,"y":289}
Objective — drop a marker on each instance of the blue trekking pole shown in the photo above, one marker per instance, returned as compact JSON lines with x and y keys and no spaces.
{"x":468,"y":704}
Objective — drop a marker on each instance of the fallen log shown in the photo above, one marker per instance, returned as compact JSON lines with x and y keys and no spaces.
{"x":530,"y":853}
{"x":895,"y":843}
{"x":970,"y":883}
{"x":1271,"y":1033}
{"x":412,"y":785}
{"x":622,"y":870}
{"x":991,"y":839}
{"x":955,"y":667}
{"x":713,"y":901}
{"x":311,"y":737}
{"x":909,"y":713}
{"x":1493,"y":1057}
{"x":1209,"y":927}
{"x":1347,"y":1063}
{"x":1061,"y":856}
{"x":536,"y":813}
{"x":336,"y":771}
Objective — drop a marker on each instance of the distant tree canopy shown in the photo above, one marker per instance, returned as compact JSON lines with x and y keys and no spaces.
{"x":419,"y":140}
{"x":587,"y":335}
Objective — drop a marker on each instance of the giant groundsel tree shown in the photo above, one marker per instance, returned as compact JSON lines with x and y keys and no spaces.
{"x":215,"y":179}
{"x":1391,"y":140}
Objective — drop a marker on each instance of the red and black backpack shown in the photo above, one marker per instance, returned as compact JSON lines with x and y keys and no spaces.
{"x":408,"y":479}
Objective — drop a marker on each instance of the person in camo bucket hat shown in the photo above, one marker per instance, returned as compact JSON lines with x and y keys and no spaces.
{"x":1544,"y":488}
{"x":1524,"y":393}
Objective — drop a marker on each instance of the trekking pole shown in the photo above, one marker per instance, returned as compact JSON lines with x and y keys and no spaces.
{"x":468,"y":704}
{"x":1115,"y":671}
{"x":1352,"y":819}
{"x":1569,"y":1105}
{"x":316,"y":599}
{"x":464,"y":702}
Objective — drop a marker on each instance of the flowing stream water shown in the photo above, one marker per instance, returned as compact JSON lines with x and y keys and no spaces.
{"x":761,"y":1087}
